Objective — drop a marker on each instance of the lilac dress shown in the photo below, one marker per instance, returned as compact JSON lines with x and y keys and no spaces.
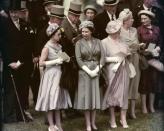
{"x":51,"y":96}
{"x":118,"y":87}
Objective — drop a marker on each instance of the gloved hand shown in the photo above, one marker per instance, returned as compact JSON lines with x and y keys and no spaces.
{"x":114,"y":59}
{"x":115,"y":67}
{"x":54,"y":62}
{"x":155,"y":53}
{"x":89,"y":72}
{"x":97,"y":69}
{"x":93,"y":73}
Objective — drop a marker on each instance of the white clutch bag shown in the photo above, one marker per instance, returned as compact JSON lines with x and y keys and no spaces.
{"x":132,"y":73}
{"x":156,"y":64}
{"x":64,"y":56}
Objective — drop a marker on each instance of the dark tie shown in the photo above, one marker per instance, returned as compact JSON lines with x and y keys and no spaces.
{"x":112,"y":17}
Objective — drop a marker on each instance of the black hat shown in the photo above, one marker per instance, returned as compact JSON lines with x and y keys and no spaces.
{"x":46,"y":2}
{"x":111,"y":2}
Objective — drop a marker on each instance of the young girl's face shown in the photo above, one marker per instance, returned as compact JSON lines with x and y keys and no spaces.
{"x":57,"y":36}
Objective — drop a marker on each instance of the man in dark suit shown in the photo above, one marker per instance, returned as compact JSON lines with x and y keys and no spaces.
{"x":102,"y":19}
{"x":56,"y":16}
{"x":12,"y":53}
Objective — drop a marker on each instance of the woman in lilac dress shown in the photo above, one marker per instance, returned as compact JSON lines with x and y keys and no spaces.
{"x":148,"y":34}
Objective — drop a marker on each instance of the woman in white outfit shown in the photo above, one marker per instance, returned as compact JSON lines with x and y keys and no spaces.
{"x":117,"y":70}
{"x":51,"y":97}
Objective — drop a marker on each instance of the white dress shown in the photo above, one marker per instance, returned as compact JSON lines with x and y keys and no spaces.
{"x":51,"y":96}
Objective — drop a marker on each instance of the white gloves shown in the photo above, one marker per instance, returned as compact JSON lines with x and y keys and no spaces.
{"x":92,"y":74}
{"x":54,"y":62}
{"x":115,"y":67}
{"x":114,"y":59}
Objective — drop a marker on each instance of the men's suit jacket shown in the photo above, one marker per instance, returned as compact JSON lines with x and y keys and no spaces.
{"x":100,"y":23}
{"x":12,"y":41}
{"x":70,"y":32}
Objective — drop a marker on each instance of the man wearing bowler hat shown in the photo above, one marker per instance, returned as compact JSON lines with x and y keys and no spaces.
{"x":71,"y":30}
{"x":56,"y":16}
{"x":101,"y":20}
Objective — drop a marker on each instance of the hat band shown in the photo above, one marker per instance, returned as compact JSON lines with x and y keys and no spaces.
{"x":110,"y":2}
{"x":76,"y":12}
{"x":57,"y":15}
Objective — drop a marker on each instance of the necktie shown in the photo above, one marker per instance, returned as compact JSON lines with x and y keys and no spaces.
{"x":112,"y":16}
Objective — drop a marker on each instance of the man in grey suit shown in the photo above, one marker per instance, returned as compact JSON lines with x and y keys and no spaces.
{"x":70,"y":24}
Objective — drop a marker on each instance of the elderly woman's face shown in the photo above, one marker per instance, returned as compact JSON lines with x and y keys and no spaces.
{"x":129,"y":21}
{"x":86,"y":33}
{"x":145,"y":20}
{"x":90,"y":14}
{"x":57,"y":36}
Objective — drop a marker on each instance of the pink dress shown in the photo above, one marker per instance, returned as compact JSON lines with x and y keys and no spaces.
{"x":118,"y":87}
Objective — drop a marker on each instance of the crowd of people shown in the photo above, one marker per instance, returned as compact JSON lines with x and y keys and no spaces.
{"x":87,"y":60}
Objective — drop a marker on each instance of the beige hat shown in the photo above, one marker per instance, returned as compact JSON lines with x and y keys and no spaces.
{"x":46,"y":2}
{"x":57,"y":11}
{"x":75,"y":8}
{"x":124,"y":14}
{"x":111,"y":2}
{"x":113,"y":26}
{"x":147,"y":12}
{"x":92,"y":7}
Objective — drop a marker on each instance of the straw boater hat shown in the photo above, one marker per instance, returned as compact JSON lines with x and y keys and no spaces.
{"x":146,"y":12}
{"x":111,"y":2}
{"x":75,"y":8}
{"x":91,"y":7}
{"x":46,"y":2}
{"x":57,"y":11}
{"x":113,"y":26}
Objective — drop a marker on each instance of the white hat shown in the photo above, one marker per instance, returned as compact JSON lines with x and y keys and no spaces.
{"x":111,"y":2}
{"x":146,"y":12}
{"x":113,"y":26}
{"x":124,"y":14}
{"x":51,"y":29}
{"x":86,"y":24}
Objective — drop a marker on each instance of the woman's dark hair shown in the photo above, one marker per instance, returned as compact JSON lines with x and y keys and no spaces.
{"x":147,"y":16}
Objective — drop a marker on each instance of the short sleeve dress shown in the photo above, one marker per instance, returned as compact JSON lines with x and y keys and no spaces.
{"x":51,"y":96}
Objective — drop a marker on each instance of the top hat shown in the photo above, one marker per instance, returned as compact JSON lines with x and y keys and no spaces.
{"x":146,"y":12}
{"x":57,"y":11}
{"x":92,"y":7}
{"x":75,"y":8}
{"x":23,"y":5}
{"x":111,"y":2}
{"x":46,"y":2}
